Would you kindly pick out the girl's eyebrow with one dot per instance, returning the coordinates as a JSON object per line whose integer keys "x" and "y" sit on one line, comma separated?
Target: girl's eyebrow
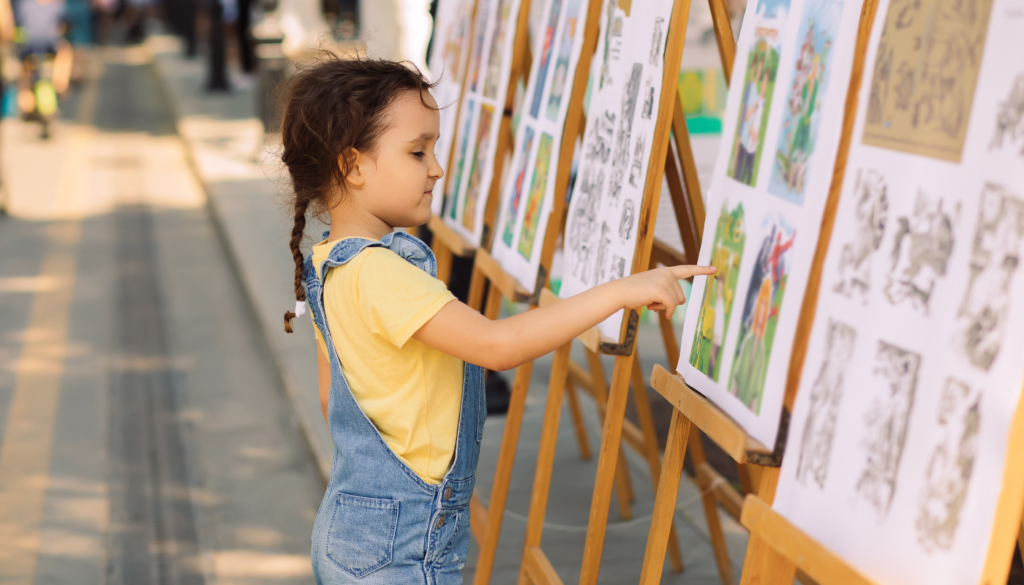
{"x": 423, "y": 137}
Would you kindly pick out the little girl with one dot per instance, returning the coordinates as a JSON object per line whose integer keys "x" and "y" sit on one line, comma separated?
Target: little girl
{"x": 401, "y": 378}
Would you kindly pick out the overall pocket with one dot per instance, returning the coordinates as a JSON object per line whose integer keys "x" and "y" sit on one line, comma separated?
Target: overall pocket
{"x": 361, "y": 536}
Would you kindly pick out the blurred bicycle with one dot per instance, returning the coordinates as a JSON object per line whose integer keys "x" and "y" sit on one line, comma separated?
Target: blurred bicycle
{"x": 46, "y": 59}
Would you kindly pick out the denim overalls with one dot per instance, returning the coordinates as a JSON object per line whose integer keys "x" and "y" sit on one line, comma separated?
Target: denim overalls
{"x": 379, "y": 522}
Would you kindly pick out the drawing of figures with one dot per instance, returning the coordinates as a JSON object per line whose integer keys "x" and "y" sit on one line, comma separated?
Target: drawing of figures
{"x": 627, "y": 221}
{"x": 480, "y": 156}
{"x": 538, "y": 186}
{"x": 561, "y": 73}
{"x": 620, "y": 156}
{"x": 545, "y": 57}
{"x": 602, "y": 134}
{"x": 921, "y": 249}
{"x": 925, "y": 75}
{"x": 1010, "y": 118}
{"x": 517, "y": 189}
{"x": 950, "y": 467}
{"x": 618, "y": 269}
{"x": 480, "y": 27}
{"x": 761, "y": 314}
{"x": 995, "y": 256}
{"x": 583, "y": 226}
{"x": 826, "y": 394}
{"x": 802, "y": 115}
{"x": 871, "y": 215}
{"x": 758, "y": 88}
{"x": 498, "y": 36}
{"x": 610, "y": 45}
{"x": 648, "y": 107}
{"x": 636, "y": 168}
{"x": 453, "y": 187}
{"x": 656, "y": 42}
{"x": 603, "y": 254}
{"x": 719, "y": 292}
{"x": 886, "y": 421}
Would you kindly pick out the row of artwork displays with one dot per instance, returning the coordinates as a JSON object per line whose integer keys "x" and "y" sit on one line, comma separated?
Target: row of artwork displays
{"x": 626, "y": 77}
{"x": 775, "y": 164}
{"x": 913, "y": 373}
{"x": 471, "y": 171}
{"x": 529, "y": 190}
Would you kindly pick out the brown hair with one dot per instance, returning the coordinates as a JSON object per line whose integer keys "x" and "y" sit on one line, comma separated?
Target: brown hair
{"x": 332, "y": 106}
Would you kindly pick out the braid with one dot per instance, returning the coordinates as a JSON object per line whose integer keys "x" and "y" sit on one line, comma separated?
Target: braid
{"x": 301, "y": 204}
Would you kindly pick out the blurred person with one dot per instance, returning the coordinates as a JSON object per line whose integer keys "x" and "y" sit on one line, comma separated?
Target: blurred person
{"x": 46, "y": 59}
{"x": 400, "y": 359}
{"x": 103, "y": 12}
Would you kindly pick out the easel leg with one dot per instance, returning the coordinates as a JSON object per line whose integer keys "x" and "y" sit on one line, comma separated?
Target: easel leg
{"x": 611, "y": 443}
{"x": 623, "y": 485}
{"x": 643, "y": 412}
{"x": 503, "y": 474}
{"x": 765, "y": 480}
{"x": 764, "y": 566}
{"x": 745, "y": 481}
{"x": 582, "y": 439}
{"x": 545, "y": 456}
{"x": 663, "y": 519}
{"x": 710, "y": 503}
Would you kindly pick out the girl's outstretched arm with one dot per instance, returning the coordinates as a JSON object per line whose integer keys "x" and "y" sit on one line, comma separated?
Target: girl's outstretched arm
{"x": 504, "y": 344}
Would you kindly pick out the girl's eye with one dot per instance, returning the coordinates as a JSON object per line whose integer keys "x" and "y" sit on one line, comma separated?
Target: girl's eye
{"x": 418, "y": 154}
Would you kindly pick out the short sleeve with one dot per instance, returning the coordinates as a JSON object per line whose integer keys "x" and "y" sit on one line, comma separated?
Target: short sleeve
{"x": 396, "y": 297}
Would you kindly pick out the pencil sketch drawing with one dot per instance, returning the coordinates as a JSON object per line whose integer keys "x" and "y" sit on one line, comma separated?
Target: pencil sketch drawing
{"x": 611, "y": 46}
{"x": 925, "y": 74}
{"x": 1010, "y": 118}
{"x": 600, "y": 144}
{"x": 949, "y": 469}
{"x": 921, "y": 250}
{"x": 870, "y": 216}
{"x": 995, "y": 255}
{"x": 826, "y": 394}
{"x": 618, "y": 267}
{"x": 620, "y": 156}
{"x": 584, "y": 222}
{"x": 627, "y": 221}
{"x": 603, "y": 258}
{"x": 886, "y": 420}
{"x": 636, "y": 177}
{"x": 659, "y": 32}
{"x": 648, "y": 107}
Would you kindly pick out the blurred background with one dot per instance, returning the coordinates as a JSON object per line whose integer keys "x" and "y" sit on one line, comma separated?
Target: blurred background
{"x": 156, "y": 424}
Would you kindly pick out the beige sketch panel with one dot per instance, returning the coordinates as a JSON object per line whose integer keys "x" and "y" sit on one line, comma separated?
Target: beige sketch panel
{"x": 925, "y": 76}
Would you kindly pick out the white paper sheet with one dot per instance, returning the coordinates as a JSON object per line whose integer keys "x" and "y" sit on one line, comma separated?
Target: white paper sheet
{"x": 782, "y": 125}
{"x": 448, "y": 60}
{"x": 529, "y": 189}
{"x": 483, "y": 105}
{"x": 600, "y": 232}
{"x": 897, "y": 446}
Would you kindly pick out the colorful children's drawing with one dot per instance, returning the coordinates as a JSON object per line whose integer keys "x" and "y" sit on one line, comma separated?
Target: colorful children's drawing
{"x": 517, "y": 190}
{"x": 498, "y": 39}
{"x": 483, "y": 141}
{"x": 537, "y": 188}
{"x": 758, "y": 88}
{"x": 452, "y": 191}
{"x": 761, "y": 314}
{"x": 801, "y": 118}
{"x": 572, "y": 14}
{"x": 478, "y": 44}
{"x": 719, "y": 292}
{"x": 545, "y": 57}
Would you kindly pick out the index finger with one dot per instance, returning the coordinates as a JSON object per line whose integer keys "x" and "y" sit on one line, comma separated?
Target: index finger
{"x": 686, "y": 271}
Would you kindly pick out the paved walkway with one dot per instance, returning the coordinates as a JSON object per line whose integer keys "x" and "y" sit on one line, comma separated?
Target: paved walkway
{"x": 243, "y": 184}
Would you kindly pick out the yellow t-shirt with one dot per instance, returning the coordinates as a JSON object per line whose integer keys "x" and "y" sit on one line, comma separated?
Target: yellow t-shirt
{"x": 410, "y": 391}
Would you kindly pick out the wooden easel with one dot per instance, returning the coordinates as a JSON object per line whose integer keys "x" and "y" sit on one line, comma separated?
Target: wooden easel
{"x": 536, "y": 567}
{"x": 691, "y": 410}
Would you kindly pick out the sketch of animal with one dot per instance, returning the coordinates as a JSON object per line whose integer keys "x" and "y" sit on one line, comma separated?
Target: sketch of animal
{"x": 1010, "y": 118}
{"x": 627, "y": 221}
{"x": 921, "y": 250}
{"x": 583, "y": 222}
{"x": 949, "y": 471}
{"x": 648, "y": 107}
{"x": 603, "y": 255}
{"x": 636, "y": 167}
{"x": 659, "y": 33}
{"x": 870, "y": 217}
{"x": 995, "y": 255}
{"x": 886, "y": 421}
{"x": 826, "y": 394}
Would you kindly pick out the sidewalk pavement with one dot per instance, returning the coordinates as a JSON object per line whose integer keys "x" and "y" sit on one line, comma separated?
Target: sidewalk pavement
{"x": 243, "y": 183}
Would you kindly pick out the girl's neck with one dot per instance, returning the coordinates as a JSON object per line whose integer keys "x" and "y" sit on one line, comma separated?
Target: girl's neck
{"x": 348, "y": 221}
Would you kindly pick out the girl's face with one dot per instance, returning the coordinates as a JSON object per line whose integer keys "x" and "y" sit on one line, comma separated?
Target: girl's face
{"x": 395, "y": 183}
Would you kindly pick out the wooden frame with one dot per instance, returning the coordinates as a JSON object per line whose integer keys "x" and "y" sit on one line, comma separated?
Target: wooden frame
{"x": 759, "y": 464}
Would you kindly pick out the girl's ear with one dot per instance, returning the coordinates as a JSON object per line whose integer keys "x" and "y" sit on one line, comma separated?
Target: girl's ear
{"x": 352, "y": 165}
